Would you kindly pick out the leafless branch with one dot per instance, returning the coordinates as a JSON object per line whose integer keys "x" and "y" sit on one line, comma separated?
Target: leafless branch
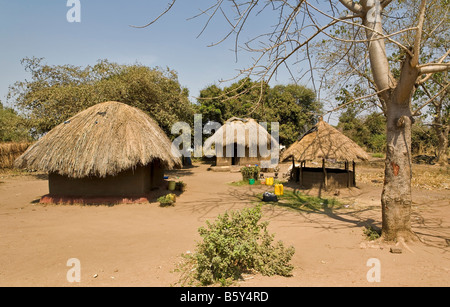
{"x": 357, "y": 99}
{"x": 154, "y": 20}
{"x": 416, "y": 112}
{"x": 433, "y": 68}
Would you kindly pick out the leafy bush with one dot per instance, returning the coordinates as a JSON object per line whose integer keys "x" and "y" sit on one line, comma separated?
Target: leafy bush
{"x": 168, "y": 199}
{"x": 236, "y": 243}
{"x": 249, "y": 172}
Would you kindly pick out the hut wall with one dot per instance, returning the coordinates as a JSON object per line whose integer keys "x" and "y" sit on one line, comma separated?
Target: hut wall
{"x": 223, "y": 161}
{"x": 131, "y": 182}
{"x": 156, "y": 174}
{"x": 314, "y": 177}
{"x": 242, "y": 161}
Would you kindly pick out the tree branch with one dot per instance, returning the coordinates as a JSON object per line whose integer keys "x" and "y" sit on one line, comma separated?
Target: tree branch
{"x": 360, "y": 98}
{"x": 428, "y": 76}
{"x": 415, "y": 113}
{"x": 376, "y": 34}
{"x": 385, "y": 3}
{"x": 154, "y": 20}
{"x": 416, "y": 48}
{"x": 433, "y": 68}
{"x": 352, "y": 6}
{"x": 377, "y": 50}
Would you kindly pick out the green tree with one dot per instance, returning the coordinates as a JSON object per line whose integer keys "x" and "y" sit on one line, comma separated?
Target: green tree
{"x": 243, "y": 98}
{"x": 12, "y": 126}
{"x": 367, "y": 131}
{"x": 211, "y": 107}
{"x": 55, "y": 93}
{"x": 293, "y": 106}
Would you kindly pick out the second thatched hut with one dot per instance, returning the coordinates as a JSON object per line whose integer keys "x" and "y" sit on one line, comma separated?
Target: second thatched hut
{"x": 243, "y": 141}
{"x": 108, "y": 150}
{"x": 323, "y": 143}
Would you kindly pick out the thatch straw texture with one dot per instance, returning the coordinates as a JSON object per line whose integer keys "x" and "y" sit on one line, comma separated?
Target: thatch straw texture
{"x": 102, "y": 140}
{"x": 325, "y": 142}
{"x": 241, "y": 131}
{"x": 9, "y": 152}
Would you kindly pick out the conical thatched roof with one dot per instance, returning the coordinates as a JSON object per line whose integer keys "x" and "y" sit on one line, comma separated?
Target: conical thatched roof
{"x": 325, "y": 142}
{"x": 102, "y": 140}
{"x": 245, "y": 131}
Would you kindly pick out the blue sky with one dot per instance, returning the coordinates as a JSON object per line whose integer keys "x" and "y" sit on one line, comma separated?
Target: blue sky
{"x": 40, "y": 28}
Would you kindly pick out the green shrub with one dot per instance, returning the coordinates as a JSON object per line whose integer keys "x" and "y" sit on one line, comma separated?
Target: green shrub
{"x": 237, "y": 242}
{"x": 371, "y": 233}
{"x": 168, "y": 199}
{"x": 249, "y": 172}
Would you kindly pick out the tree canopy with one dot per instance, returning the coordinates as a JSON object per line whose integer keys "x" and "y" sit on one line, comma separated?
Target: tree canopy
{"x": 55, "y": 93}
{"x": 293, "y": 106}
{"x": 12, "y": 126}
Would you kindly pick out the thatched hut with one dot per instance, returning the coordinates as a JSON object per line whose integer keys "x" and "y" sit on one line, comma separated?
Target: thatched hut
{"x": 242, "y": 141}
{"x": 322, "y": 143}
{"x": 108, "y": 150}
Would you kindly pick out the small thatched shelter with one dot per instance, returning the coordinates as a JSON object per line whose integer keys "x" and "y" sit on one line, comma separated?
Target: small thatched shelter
{"x": 110, "y": 149}
{"x": 242, "y": 141}
{"x": 322, "y": 143}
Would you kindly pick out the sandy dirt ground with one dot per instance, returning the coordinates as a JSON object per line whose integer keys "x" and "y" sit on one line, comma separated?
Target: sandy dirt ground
{"x": 141, "y": 244}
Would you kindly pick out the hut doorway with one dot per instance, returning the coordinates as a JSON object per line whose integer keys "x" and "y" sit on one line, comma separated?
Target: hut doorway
{"x": 235, "y": 158}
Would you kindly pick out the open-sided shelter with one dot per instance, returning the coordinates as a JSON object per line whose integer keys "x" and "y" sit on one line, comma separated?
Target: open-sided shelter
{"x": 110, "y": 149}
{"x": 321, "y": 143}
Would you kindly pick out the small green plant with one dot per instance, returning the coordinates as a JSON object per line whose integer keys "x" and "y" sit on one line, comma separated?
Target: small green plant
{"x": 236, "y": 243}
{"x": 249, "y": 172}
{"x": 371, "y": 233}
{"x": 167, "y": 200}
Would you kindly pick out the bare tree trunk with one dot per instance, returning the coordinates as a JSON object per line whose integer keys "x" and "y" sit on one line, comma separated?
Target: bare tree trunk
{"x": 396, "y": 195}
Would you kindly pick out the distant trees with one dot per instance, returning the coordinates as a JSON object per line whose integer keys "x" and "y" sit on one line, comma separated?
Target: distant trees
{"x": 294, "y": 107}
{"x": 367, "y": 131}
{"x": 12, "y": 126}
{"x": 55, "y": 93}
{"x": 438, "y": 113}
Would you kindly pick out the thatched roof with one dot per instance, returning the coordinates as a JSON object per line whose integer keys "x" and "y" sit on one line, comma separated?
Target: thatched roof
{"x": 324, "y": 142}
{"x": 102, "y": 140}
{"x": 244, "y": 131}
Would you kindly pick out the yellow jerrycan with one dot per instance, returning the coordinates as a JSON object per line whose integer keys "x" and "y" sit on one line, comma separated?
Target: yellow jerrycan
{"x": 279, "y": 189}
{"x": 269, "y": 181}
